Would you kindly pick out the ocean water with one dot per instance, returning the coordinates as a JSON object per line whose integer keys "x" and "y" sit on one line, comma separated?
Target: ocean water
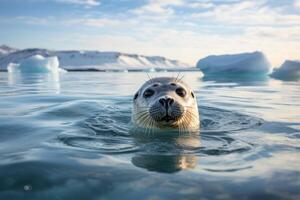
{"x": 68, "y": 137}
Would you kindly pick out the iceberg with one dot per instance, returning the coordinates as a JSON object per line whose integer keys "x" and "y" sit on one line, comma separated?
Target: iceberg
{"x": 35, "y": 64}
{"x": 289, "y": 71}
{"x": 254, "y": 63}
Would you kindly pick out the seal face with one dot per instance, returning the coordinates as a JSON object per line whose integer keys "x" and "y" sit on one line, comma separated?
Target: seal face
{"x": 165, "y": 103}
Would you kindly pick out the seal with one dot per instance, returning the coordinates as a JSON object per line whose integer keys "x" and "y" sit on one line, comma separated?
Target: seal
{"x": 165, "y": 103}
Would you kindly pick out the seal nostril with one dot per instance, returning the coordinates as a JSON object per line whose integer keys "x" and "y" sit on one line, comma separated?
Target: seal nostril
{"x": 162, "y": 102}
{"x": 166, "y": 102}
{"x": 170, "y": 101}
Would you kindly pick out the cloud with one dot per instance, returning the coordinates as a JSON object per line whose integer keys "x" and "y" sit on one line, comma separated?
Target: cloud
{"x": 249, "y": 13}
{"x": 185, "y": 30}
{"x": 297, "y": 3}
{"x": 279, "y": 43}
{"x": 291, "y": 34}
{"x": 93, "y": 22}
{"x": 81, "y": 2}
{"x": 27, "y": 20}
{"x": 200, "y": 5}
{"x": 152, "y": 8}
{"x": 156, "y": 29}
{"x": 168, "y": 2}
{"x": 158, "y": 7}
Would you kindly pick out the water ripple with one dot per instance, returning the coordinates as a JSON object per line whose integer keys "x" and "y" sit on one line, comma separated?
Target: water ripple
{"x": 219, "y": 120}
{"x": 109, "y": 132}
{"x": 103, "y": 145}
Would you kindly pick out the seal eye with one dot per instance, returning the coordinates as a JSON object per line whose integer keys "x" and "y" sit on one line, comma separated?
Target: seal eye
{"x": 136, "y": 96}
{"x": 155, "y": 85}
{"x": 173, "y": 84}
{"x": 181, "y": 92}
{"x": 148, "y": 93}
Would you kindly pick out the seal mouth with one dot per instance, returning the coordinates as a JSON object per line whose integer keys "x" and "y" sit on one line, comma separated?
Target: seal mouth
{"x": 167, "y": 118}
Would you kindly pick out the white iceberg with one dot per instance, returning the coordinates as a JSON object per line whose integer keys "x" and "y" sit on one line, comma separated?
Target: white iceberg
{"x": 289, "y": 70}
{"x": 235, "y": 64}
{"x": 35, "y": 64}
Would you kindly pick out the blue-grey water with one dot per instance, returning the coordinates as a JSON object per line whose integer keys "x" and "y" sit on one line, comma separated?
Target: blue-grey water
{"x": 68, "y": 137}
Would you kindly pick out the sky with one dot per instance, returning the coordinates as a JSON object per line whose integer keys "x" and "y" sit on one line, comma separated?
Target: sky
{"x": 186, "y": 30}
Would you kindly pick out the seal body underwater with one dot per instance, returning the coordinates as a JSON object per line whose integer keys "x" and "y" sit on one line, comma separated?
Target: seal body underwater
{"x": 165, "y": 103}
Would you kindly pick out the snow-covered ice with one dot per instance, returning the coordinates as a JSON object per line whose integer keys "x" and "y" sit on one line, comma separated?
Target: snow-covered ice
{"x": 96, "y": 60}
{"x": 245, "y": 63}
{"x": 289, "y": 70}
{"x": 36, "y": 64}
{"x": 4, "y": 50}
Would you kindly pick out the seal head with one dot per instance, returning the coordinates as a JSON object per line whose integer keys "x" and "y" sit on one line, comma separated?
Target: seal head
{"x": 165, "y": 103}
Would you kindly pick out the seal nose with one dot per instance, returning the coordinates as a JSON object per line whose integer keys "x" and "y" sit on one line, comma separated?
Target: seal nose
{"x": 166, "y": 101}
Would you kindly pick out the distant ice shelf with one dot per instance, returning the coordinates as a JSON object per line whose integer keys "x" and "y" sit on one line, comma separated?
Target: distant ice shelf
{"x": 97, "y": 61}
{"x": 5, "y": 50}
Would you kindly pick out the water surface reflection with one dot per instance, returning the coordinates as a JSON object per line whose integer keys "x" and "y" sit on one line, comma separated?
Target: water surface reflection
{"x": 167, "y": 154}
{"x": 69, "y": 138}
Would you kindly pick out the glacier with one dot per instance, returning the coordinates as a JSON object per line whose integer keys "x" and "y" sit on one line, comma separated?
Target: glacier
{"x": 253, "y": 63}
{"x": 35, "y": 64}
{"x": 289, "y": 71}
{"x": 97, "y": 61}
